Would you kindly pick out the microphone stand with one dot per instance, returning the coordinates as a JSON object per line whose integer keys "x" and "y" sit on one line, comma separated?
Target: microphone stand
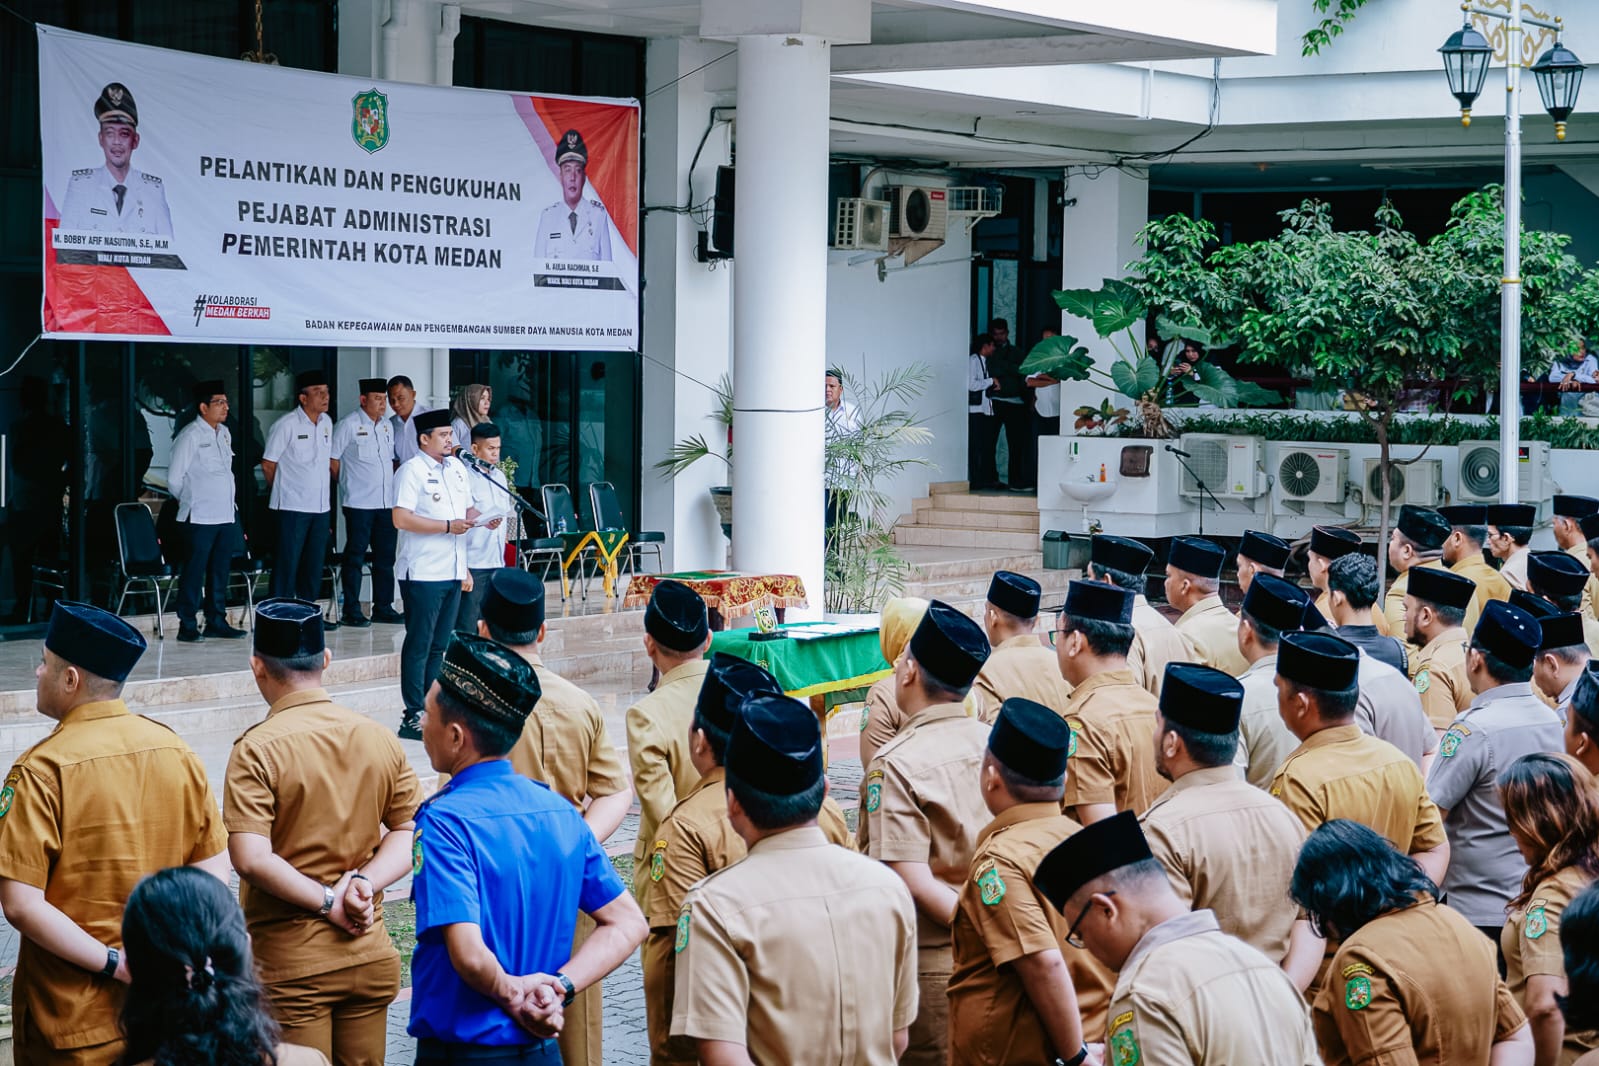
{"x": 1200, "y": 483}
{"x": 515, "y": 497}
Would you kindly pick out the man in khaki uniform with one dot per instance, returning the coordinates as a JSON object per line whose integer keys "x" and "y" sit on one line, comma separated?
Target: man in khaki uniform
{"x": 1417, "y": 542}
{"x": 1193, "y": 579}
{"x": 1510, "y": 528}
{"x": 1569, "y": 512}
{"x": 1111, "y": 715}
{"x": 1186, "y": 992}
{"x": 1260, "y": 553}
{"x": 697, "y": 839}
{"x": 1561, "y": 579}
{"x": 1018, "y": 994}
{"x": 309, "y": 794}
{"x": 676, "y": 634}
{"x": 1121, "y": 561}
{"x": 1227, "y": 846}
{"x": 1434, "y": 610}
{"x": 105, "y": 799}
{"x": 925, "y": 804}
{"x": 564, "y": 744}
{"x": 1020, "y": 664}
{"x": 1463, "y": 551}
{"x": 1562, "y": 654}
{"x": 1328, "y": 544}
{"x": 801, "y": 952}
{"x": 1339, "y": 772}
{"x": 1271, "y": 607}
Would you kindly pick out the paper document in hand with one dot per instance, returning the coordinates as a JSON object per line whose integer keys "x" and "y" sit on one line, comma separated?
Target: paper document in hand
{"x": 487, "y": 517}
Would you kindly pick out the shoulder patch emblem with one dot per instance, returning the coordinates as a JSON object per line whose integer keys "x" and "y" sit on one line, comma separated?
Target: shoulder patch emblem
{"x": 1451, "y": 740}
{"x": 991, "y": 886}
{"x": 1357, "y": 992}
{"x": 416, "y": 853}
{"x": 682, "y": 933}
{"x": 874, "y": 796}
{"x": 866, "y": 713}
{"x": 1536, "y": 925}
{"x": 1123, "y": 1044}
{"x": 658, "y": 861}
{"x": 1076, "y": 725}
{"x": 1423, "y": 680}
{"x": 7, "y": 794}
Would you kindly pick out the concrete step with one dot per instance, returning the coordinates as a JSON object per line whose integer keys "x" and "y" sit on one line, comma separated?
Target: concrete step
{"x": 952, "y": 487}
{"x": 951, "y": 537}
{"x": 956, "y": 590}
{"x": 1000, "y": 502}
{"x": 932, "y": 565}
{"x": 1000, "y": 520}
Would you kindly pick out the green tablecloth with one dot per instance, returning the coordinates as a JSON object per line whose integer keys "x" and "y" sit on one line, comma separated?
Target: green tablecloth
{"x": 811, "y": 666}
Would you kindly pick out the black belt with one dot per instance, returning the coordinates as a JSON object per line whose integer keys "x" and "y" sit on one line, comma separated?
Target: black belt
{"x": 484, "y": 1052}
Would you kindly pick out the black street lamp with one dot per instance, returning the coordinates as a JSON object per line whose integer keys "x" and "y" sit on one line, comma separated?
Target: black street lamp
{"x": 1559, "y": 76}
{"x": 1466, "y": 55}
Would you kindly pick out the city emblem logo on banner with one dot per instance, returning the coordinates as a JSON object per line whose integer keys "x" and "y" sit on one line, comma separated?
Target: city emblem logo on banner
{"x": 370, "y": 125}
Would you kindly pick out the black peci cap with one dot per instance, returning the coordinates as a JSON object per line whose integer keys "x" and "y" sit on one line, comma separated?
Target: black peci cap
{"x": 1560, "y": 573}
{"x": 1091, "y": 853}
{"x": 1465, "y": 514}
{"x": 1119, "y": 553}
{"x": 728, "y": 683}
{"x": 676, "y": 616}
{"x": 1433, "y": 584}
{"x": 1030, "y": 739}
{"x": 1536, "y": 606}
{"x": 1561, "y": 631}
{"x": 775, "y": 745}
{"x": 1501, "y": 515}
{"x": 1201, "y": 698}
{"x": 1275, "y": 602}
{"x": 514, "y": 600}
{"x": 1510, "y": 633}
{"x": 1319, "y": 661}
{"x": 1333, "y": 542}
{"x": 94, "y": 640}
{"x": 1197, "y": 556}
{"x": 374, "y": 385}
{"x": 288, "y": 628}
{"x": 1264, "y": 549}
{"x": 494, "y": 682}
{"x": 309, "y": 379}
{"x": 949, "y": 646}
{"x": 1098, "y": 601}
{"x": 204, "y": 390}
{"x": 1568, "y": 506}
{"x": 428, "y": 421}
{"x": 1425, "y": 526}
{"x": 1590, "y": 526}
{"x": 1014, "y": 593}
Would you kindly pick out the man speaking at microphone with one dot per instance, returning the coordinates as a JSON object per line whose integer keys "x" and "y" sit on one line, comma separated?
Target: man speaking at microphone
{"x": 432, "y": 512}
{"x": 485, "y": 543}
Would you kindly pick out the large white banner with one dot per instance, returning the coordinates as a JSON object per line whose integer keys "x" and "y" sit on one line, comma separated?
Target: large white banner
{"x": 201, "y": 199}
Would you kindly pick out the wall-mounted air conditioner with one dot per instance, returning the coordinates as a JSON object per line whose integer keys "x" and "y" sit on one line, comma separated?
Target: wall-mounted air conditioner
{"x": 1230, "y": 465}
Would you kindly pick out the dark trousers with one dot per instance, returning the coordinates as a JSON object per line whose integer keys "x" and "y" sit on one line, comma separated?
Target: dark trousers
{"x": 210, "y": 553}
{"x": 438, "y": 1053}
{"x": 361, "y": 529}
{"x": 982, "y": 431}
{"x": 1017, "y": 419}
{"x": 471, "y": 608}
{"x": 1046, "y": 426}
{"x": 430, "y": 610}
{"x": 302, "y": 553}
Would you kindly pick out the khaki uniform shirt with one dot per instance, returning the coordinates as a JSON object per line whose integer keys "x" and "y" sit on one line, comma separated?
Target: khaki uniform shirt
{"x": 1515, "y": 569}
{"x": 1264, "y": 742}
{"x": 1212, "y": 630}
{"x": 1390, "y": 709}
{"x": 881, "y": 719}
{"x": 1229, "y": 848}
{"x": 1378, "y": 618}
{"x": 803, "y": 952}
{"x": 1001, "y": 918}
{"x": 1530, "y": 942}
{"x": 925, "y": 802}
{"x": 1024, "y": 667}
{"x": 105, "y": 799}
{"x": 657, "y": 751}
{"x": 1500, "y": 726}
{"x": 1414, "y": 985}
{"x": 322, "y": 783}
{"x": 1156, "y": 642}
{"x": 1189, "y": 993}
{"x": 1343, "y": 773}
{"x": 1590, "y": 634}
{"x": 1579, "y": 552}
{"x": 1394, "y": 609}
{"x": 1491, "y": 584}
{"x": 1439, "y": 670}
{"x": 564, "y": 742}
{"x": 694, "y": 841}
{"x": 1112, "y": 753}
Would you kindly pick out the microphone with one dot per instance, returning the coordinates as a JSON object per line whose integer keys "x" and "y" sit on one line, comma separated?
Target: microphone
{"x": 466, "y": 456}
{"x": 1178, "y": 451}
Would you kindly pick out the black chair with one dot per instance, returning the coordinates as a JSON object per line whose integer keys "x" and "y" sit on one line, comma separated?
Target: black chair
{"x": 561, "y": 515}
{"x": 608, "y": 515}
{"x": 244, "y": 568}
{"x": 139, "y": 558}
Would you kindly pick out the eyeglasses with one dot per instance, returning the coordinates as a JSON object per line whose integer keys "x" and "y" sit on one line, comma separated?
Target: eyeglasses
{"x": 1055, "y": 634}
{"x": 1071, "y": 934}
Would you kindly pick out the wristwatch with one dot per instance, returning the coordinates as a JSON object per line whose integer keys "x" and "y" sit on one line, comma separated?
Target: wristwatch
{"x": 1075, "y": 1060}
{"x": 327, "y": 901}
{"x": 566, "y": 983}
{"x": 112, "y": 958}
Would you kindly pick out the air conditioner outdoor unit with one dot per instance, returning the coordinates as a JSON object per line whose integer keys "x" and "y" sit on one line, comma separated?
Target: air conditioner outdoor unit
{"x": 1479, "y": 472}
{"x": 1313, "y": 475}
{"x": 1420, "y": 483}
{"x": 1229, "y": 465}
{"x": 861, "y": 225}
{"x": 919, "y": 212}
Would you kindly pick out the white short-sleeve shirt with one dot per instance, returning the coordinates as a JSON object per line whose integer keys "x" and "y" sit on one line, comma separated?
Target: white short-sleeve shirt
{"x": 200, "y": 474}
{"x": 303, "y": 451}
{"x": 365, "y": 451}
{"x": 405, "y": 446}
{"x": 485, "y": 548}
{"x": 435, "y": 490}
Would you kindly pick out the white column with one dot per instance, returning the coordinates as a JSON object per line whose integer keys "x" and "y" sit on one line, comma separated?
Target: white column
{"x": 1099, "y": 232}
{"x": 780, "y": 307}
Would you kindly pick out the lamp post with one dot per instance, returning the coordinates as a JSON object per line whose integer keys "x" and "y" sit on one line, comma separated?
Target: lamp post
{"x": 1559, "y": 76}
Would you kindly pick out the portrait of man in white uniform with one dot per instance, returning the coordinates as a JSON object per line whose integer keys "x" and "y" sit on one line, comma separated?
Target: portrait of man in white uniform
{"x": 116, "y": 197}
{"x": 574, "y": 228}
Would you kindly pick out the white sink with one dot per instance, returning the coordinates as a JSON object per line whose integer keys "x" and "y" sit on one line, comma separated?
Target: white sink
{"x": 1088, "y": 491}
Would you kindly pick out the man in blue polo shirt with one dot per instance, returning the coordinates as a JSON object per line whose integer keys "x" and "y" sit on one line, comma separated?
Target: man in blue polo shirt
{"x": 500, "y": 868}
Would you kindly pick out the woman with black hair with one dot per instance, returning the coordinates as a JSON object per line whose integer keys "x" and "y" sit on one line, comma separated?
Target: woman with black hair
{"x": 193, "y": 996}
{"x": 1552, "y": 806}
{"x": 1579, "y": 940}
{"x": 1411, "y": 978}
